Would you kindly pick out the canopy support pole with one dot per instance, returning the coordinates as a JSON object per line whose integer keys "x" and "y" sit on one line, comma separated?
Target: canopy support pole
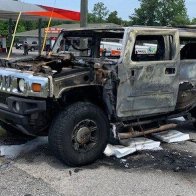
{"x": 10, "y": 23}
{"x": 83, "y": 24}
{"x": 40, "y": 35}
{"x": 13, "y": 37}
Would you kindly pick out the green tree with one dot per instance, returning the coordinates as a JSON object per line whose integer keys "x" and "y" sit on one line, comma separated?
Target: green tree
{"x": 145, "y": 15}
{"x": 3, "y": 28}
{"x": 193, "y": 22}
{"x": 30, "y": 25}
{"x": 99, "y": 13}
{"x": 160, "y": 12}
{"x": 113, "y": 18}
{"x": 91, "y": 18}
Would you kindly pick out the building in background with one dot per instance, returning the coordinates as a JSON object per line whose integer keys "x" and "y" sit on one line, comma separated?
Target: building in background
{"x": 53, "y": 32}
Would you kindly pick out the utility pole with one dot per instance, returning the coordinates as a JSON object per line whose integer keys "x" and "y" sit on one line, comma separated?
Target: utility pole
{"x": 83, "y": 24}
{"x": 83, "y": 13}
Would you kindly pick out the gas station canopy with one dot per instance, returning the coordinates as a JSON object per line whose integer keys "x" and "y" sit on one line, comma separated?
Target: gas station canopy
{"x": 10, "y": 9}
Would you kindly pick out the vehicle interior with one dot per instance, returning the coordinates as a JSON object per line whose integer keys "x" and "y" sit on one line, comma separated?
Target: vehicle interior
{"x": 188, "y": 48}
{"x": 87, "y": 43}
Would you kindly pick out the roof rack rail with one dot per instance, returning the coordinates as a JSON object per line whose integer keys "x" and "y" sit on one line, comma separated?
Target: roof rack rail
{"x": 151, "y": 26}
{"x": 187, "y": 26}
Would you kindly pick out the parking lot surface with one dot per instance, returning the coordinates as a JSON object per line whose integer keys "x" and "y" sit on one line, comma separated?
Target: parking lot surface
{"x": 171, "y": 171}
{"x": 17, "y": 53}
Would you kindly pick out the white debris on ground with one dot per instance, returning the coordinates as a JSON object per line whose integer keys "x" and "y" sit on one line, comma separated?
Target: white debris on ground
{"x": 13, "y": 151}
{"x": 179, "y": 119}
{"x": 130, "y": 146}
{"x": 171, "y": 136}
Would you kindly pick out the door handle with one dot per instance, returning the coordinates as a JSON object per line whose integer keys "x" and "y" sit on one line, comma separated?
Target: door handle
{"x": 170, "y": 71}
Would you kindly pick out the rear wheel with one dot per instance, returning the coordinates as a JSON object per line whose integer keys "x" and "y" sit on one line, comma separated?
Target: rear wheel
{"x": 79, "y": 134}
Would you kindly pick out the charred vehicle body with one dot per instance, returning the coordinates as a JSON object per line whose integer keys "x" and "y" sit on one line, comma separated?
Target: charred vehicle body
{"x": 77, "y": 94}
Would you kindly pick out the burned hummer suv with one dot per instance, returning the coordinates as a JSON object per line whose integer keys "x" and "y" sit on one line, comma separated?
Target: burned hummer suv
{"x": 81, "y": 94}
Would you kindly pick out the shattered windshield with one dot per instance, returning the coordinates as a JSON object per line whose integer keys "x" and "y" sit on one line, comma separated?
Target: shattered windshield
{"x": 90, "y": 43}
{"x": 73, "y": 45}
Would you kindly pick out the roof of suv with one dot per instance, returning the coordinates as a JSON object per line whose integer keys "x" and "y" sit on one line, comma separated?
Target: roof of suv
{"x": 185, "y": 31}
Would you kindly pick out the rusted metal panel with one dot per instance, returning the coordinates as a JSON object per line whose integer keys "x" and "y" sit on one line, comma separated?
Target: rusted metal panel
{"x": 145, "y": 87}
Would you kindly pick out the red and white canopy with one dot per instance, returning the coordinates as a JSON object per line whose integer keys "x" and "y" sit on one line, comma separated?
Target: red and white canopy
{"x": 10, "y": 9}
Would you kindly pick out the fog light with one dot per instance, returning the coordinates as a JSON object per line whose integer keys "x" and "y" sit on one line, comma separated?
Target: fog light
{"x": 16, "y": 106}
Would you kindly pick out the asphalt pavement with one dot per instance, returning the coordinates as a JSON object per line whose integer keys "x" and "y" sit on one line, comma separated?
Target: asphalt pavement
{"x": 171, "y": 171}
{"x": 17, "y": 53}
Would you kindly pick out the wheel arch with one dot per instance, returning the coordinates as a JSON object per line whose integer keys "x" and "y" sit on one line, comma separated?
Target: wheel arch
{"x": 91, "y": 93}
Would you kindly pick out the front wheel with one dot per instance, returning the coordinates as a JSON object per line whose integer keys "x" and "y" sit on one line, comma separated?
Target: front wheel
{"x": 79, "y": 134}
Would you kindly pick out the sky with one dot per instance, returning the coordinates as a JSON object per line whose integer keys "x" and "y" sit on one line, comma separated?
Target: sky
{"x": 124, "y": 7}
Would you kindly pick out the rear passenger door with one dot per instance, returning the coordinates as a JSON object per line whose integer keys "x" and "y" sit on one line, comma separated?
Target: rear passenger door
{"x": 149, "y": 73}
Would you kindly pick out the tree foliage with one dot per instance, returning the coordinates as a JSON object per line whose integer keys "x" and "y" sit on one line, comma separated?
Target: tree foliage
{"x": 26, "y": 26}
{"x": 150, "y": 12}
{"x": 3, "y": 28}
{"x": 113, "y": 18}
{"x": 160, "y": 13}
{"x": 193, "y": 22}
{"x": 99, "y": 13}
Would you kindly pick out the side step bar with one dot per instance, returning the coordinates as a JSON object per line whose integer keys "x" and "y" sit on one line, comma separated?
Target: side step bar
{"x": 132, "y": 133}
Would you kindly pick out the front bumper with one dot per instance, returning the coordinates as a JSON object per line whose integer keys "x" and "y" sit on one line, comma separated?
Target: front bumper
{"x": 18, "y": 113}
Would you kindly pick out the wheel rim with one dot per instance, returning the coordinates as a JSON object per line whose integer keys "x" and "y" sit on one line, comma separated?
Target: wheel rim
{"x": 84, "y": 136}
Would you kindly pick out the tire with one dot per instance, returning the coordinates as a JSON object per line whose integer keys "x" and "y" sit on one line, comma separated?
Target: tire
{"x": 78, "y": 136}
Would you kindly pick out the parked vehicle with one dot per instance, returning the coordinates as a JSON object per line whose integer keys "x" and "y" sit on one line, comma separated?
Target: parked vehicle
{"x": 19, "y": 45}
{"x": 33, "y": 46}
{"x": 77, "y": 96}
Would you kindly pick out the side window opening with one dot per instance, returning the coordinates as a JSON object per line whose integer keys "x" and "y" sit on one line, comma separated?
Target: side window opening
{"x": 110, "y": 47}
{"x": 153, "y": 48}
{"x": 188, "y": 48}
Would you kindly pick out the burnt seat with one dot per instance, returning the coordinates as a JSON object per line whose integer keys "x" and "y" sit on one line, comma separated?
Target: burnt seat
{"x": 188, "y": 51}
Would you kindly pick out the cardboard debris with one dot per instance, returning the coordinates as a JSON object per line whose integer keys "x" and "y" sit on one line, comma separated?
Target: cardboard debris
{"x": 171, "y": 136}
{"x": 180, "y": 119}
{"x": 13, "y": 151}
{"x": 118, "y": 151}
{"x": 130, "y": 146}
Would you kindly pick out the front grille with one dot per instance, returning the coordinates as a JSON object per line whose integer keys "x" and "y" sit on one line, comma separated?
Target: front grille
{"x": 3, "y": 98}
{"x": 6, "y": 81}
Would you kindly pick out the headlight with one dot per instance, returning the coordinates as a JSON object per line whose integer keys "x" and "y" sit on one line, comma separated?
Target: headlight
{"x": 21, "y": 85}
